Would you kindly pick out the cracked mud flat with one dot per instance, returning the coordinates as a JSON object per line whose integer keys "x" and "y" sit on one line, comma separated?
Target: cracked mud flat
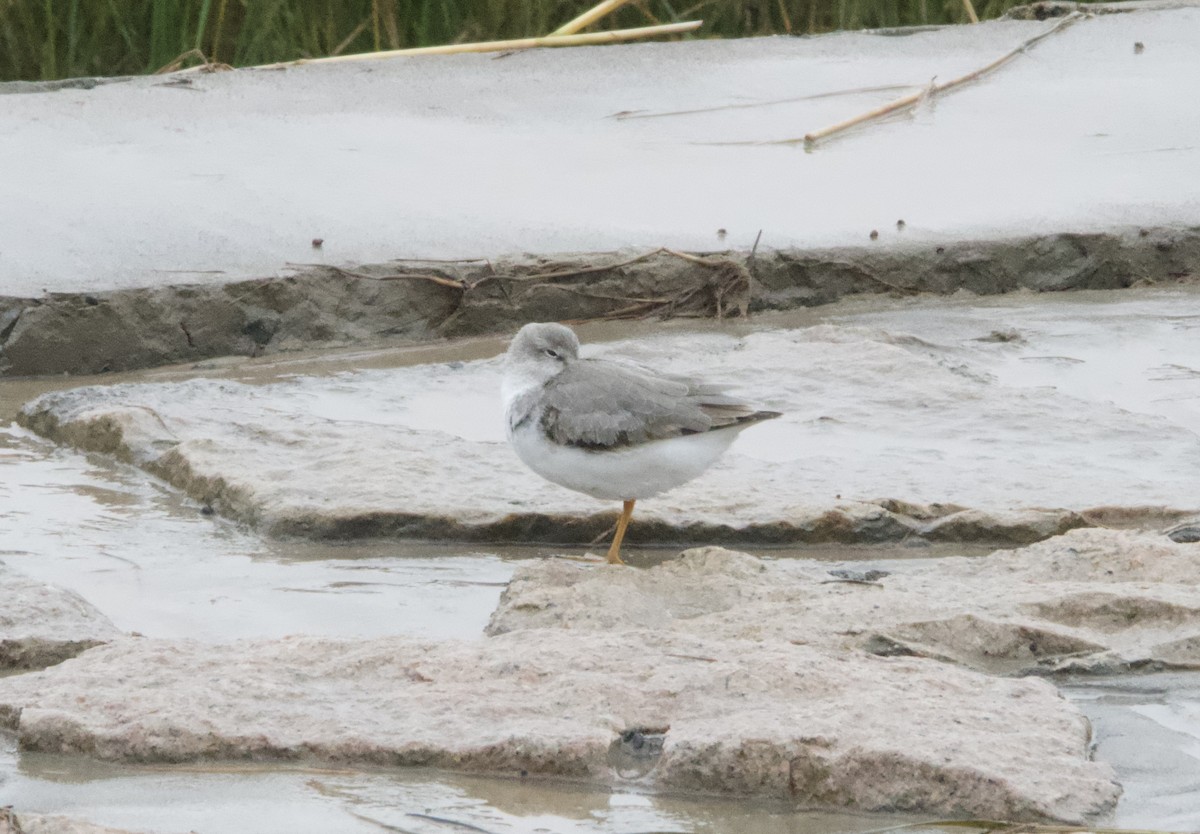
{"x": 1001, "y": 422}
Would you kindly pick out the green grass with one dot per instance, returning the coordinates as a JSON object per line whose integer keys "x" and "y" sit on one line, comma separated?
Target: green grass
{"x": 50, "y": 39}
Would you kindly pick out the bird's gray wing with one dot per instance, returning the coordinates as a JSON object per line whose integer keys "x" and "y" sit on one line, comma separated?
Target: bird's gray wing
{"x": 594, "y": 403}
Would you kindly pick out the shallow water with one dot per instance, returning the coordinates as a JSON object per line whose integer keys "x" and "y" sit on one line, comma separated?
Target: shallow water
{"x": 155, "y": 563}
{"x": 281, "y": 800}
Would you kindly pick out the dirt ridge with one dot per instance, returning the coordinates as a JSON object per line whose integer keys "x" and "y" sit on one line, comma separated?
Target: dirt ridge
{"x": 334, "y": 306}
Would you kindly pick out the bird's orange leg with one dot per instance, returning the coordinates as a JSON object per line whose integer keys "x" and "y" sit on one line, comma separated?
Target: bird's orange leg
{"x": 614, "y": 551}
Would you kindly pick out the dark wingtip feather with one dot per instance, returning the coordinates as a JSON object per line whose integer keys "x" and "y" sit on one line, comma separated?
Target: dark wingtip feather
{"x": 746, "y": 418}
{"x": 759, "y": 416}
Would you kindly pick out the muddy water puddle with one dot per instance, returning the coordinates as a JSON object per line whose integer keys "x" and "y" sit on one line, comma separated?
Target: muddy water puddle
{"x": 283, "y": 800}
{"x": 155, "y": 563}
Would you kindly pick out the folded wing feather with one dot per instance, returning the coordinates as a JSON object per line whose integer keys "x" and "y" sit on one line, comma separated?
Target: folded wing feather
{"x": 598, "y": 404}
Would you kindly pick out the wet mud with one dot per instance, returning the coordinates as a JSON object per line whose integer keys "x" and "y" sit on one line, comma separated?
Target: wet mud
{"x": 211, "y": 596}
{"x": 904, "y": 421}
{"x": 325, "y": 306}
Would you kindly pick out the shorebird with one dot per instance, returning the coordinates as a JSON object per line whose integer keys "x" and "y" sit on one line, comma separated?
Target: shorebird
{"x": 612, "y": 430}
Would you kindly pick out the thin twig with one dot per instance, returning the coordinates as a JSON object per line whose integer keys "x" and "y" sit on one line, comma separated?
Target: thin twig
{"x": 632, "y": 311}
{"x": 890, "y": 285}
{"x": 205, "y": 65}
{"x": 584, "y": 270}
{"x": 810, "y": 139}
{"x": 641, "y": 114}
{"x": 354, "y": 33}
{"x": 753, "y": 253}
{"x": 436, "y": 279}
{"x": 603, "y": 536}
{"x": 437, "y": 260}
{"x": 696, "y": 259}
{"x": 603, "y": 296}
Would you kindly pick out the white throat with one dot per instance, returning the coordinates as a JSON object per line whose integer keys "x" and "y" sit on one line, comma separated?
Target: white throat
{"x": 521, "y": 378}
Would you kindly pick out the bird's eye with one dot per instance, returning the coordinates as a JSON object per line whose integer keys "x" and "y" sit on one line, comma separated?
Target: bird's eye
{"x": 551, "y": 352}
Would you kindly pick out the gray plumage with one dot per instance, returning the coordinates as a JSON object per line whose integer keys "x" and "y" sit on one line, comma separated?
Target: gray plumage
{"x": 599, "y": 404}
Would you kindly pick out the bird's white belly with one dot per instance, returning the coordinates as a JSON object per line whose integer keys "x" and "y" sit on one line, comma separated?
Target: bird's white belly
{"x": 624, "y": 473}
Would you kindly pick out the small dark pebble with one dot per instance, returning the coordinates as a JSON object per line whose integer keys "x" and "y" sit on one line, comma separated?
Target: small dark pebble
{"x": 1138, "y": 48}
{"x": 1143, "y": 232}
{"x": 524, "y": 773}
{"x": 318, "y": 242}
{"x": 207, "y": 510}
{"x": 874, "y": 234}
{"x": 941, "y": 250}
{"x": 721, "y": 233}
{"x": 91, "y": 300}
{"x": 900, "y": 224}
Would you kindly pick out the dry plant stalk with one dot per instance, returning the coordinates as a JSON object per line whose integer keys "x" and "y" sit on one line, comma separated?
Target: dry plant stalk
{"x": 589, "y": 17}
{"x": 590, "y": 38}
{"x": 810, "y": 139}
{"x": 970, "y": 7}
{"x": 725, "y": 291}
{"x": 205, "y": 66}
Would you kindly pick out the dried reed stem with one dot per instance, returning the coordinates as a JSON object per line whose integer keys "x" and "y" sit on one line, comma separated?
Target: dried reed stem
{"x": 589, "y": 17}
{"x": 615, "y": 36}
{"x": 810, "y": 139}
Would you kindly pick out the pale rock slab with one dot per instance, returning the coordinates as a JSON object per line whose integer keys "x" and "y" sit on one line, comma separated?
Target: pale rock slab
{"x": 41, "y": 624}
{"x": 663, "y": 711}
{"x": 1089, "y": 601}
{"x": 56, "y": 824}
{"x": 885, "y": 437}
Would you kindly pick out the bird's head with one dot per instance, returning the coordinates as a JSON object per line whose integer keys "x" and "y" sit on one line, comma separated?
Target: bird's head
{"x": 537, "y": 354}
{"x": 546, "y": 345}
